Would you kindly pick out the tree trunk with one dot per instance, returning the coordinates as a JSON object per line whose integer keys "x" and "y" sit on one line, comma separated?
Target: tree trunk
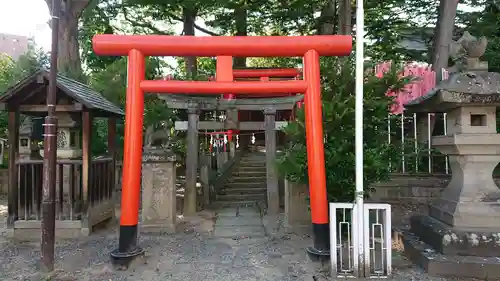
{"x": 443, "y": 36}
{"x": 68, "y": 61}
{"x": 189, "y": 18}
{"x": 440, "y": 55}
{"x": 241, "y": 26}
{"x": 345, "y": 17}
{"x": 327, "y": 19}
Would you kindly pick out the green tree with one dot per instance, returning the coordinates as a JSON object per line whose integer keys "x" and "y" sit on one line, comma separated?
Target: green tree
{"x": 13, "y": 71}
{"x": 338, "y": 125}
{"x": 111, "y": 83}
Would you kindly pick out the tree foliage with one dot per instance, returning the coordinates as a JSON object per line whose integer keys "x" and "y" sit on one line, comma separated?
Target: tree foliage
{"x": 111, "y": 83}
{"x": 339, "y": 130}
{"x": 13, "y": 71}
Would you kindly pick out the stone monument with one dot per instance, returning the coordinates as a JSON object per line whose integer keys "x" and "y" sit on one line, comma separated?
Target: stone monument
{"x": 461, "y": 234}
{"x": 159, "y": 209}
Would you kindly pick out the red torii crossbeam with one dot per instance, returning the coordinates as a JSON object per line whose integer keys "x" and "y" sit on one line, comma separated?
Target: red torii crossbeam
{"x": 271, "y": 73}
{"x": 136, "y": 47}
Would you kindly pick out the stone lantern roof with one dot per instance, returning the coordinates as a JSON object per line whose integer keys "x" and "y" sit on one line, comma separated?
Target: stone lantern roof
{"x": 471, "y": 88}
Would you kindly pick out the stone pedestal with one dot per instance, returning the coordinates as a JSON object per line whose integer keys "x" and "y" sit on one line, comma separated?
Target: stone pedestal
{"x": 205, "y": 167}
{"x": 297, "y": 214}
{"x": 158, "y": 192}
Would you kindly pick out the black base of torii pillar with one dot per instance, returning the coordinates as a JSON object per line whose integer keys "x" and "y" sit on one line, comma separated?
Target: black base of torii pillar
{"x": 128, "y": 252}
{"x": 321, "y": 242}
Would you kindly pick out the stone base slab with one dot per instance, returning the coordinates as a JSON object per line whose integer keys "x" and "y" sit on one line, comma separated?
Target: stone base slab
{"x": 436, "y": 264}
{"x": 159, "y": 227}
{"x": 456, "y": 241}
{"x": 65, "y": 229}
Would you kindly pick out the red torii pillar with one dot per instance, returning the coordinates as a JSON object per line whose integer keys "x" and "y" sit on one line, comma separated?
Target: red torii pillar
{"x": 136, "y": 47}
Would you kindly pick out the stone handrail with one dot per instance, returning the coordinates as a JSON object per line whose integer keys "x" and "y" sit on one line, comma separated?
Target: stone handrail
{"x": 211, "y": 178}
{"x": 221, "y": 176}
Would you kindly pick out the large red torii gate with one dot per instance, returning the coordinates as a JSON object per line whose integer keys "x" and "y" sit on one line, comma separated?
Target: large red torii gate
{"x": 136, "y": 47}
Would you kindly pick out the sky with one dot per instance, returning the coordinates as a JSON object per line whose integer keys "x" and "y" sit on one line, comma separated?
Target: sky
{"x": 27, "y": 18}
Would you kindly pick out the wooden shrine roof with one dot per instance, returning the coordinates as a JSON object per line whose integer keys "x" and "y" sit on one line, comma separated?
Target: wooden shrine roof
{"x": 34, "y": 87}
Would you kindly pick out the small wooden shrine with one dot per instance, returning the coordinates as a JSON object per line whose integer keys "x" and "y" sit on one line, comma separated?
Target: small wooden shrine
{"x": 85, "y": 182}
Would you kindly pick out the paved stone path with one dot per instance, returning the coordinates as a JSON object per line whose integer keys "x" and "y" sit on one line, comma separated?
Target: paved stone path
{"x": 239, "y": 223}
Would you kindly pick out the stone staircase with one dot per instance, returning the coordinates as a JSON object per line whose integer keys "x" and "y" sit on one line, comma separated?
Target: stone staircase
{"x": 247, "y": 183}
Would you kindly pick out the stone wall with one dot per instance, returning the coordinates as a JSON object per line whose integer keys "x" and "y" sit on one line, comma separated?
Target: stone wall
{"x": 404, "y": 188}
{"x": 407, "y": 189}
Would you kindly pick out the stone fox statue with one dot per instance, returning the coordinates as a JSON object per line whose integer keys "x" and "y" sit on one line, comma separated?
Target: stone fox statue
{"x": 466, "y": 52}
{"x": 157, "y": 136}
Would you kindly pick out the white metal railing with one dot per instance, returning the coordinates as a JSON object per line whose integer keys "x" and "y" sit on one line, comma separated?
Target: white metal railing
{"x": 346, "y": 238}
{"x": 417, "y": 155}
{"x": 377, "y": 240}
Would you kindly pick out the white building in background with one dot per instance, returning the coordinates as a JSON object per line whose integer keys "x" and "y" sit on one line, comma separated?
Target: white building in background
{"x": 13, "y": 45}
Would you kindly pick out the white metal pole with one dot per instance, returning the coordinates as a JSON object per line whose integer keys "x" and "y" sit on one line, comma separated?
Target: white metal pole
{"x": 359, "y": 134}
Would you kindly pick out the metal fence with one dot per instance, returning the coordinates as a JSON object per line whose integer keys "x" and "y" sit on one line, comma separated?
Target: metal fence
{"x": 414, "y": 132}
{"x": 414, "y": 135}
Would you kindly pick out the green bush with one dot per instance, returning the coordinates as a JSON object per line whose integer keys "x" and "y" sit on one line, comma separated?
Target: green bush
{"x": 338, "y": 95}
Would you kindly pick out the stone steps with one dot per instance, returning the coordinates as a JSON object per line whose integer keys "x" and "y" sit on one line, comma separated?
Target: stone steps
{"x": 253, "y": 161}
{"x": 247, "y": 173}
{"x": 244, "y": 178}
{"x": 240, "y": 183}
{"x": 253, "y": 168}
{"x": 241, "y": 197}
{"x": 247, "y": 184}
{"x": 251, "y": 172}
{"x": 248, "y": 190}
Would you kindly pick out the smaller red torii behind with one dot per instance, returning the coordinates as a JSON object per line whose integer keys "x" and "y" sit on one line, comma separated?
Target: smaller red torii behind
{"x": 225, "y": 72}
{"x": 136, "y": 47}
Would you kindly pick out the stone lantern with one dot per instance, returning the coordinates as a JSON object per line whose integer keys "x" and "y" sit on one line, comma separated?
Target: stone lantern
{"x": 68, "y": 137}
{"x": 462, "y": 225}
{"x": 470, "y": 99}
{"x": 28, "y": 139}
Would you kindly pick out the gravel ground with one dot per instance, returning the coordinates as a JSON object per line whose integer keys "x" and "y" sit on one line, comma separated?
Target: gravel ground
{"x": 181, "y": 257}
{"x": 191, "y": 255}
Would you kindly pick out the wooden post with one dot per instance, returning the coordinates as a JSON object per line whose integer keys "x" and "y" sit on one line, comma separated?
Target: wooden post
{"x": 13, "y": 175}
{"x": 86, "y": 169}
{"x": 112, "y": 153}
